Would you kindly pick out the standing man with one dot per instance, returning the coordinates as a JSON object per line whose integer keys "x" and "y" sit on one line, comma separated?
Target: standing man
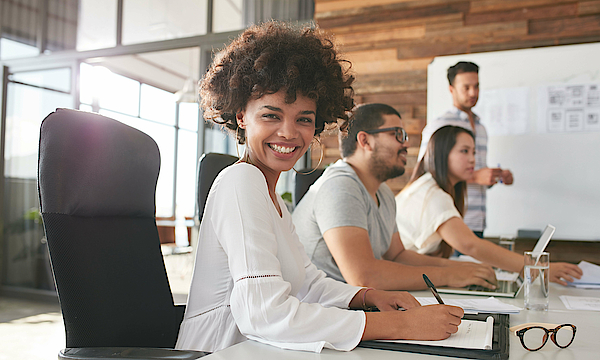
{"x": 347, "y": 219}
{"x": 464, "y": 87}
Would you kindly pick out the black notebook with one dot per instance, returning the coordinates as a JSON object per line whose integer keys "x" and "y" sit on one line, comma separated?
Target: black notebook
{"x": 499, "y": 350}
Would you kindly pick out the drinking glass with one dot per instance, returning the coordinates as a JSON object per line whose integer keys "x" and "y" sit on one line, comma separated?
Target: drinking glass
{"x": 537, "y": 282}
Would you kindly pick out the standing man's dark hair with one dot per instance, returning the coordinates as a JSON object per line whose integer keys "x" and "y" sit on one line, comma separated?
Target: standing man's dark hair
{"x": 364, "y": 117}
{"x": 461, "y": 67}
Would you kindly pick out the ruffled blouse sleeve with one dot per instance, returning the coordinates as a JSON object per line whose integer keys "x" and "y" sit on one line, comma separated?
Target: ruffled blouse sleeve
{"x": 294, "y": 310}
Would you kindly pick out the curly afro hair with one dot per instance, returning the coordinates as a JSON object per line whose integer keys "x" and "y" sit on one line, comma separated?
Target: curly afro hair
{"x": 276, "y": 56}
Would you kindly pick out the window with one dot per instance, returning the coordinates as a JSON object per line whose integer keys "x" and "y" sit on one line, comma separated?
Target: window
{"x": 154, "y": 20}
{"x": 154, "y": 111}
{"x": 97, "y": 24}
{"x": 10, "y": 49}
{"x": 228, "y": 15}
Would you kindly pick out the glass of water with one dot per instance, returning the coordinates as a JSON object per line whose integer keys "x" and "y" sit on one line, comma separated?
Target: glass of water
{"x": 537, "y": 281}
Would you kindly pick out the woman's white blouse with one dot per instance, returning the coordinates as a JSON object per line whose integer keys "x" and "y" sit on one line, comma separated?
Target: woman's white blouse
{"x": 421, "y": 208}
{"x": 253, "y": 280}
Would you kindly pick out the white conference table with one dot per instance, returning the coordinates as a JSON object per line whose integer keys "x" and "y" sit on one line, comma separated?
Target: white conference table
{"x": 585, "y": 346}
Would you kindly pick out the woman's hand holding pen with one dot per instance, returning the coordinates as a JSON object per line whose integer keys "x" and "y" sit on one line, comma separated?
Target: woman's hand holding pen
{"x": 431, "y": 322}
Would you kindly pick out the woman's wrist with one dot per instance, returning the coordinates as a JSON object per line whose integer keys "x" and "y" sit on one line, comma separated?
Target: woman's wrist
{"x": 365, "y": 303}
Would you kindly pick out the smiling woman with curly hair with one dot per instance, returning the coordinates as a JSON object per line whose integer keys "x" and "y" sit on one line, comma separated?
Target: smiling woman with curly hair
{"x": 276, "y": 86}
{"x": 273, "y": 57}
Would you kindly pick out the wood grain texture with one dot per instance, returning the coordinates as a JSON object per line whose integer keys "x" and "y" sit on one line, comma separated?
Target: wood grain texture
{"x": 502, "y": 5}
{"x": 383, "y": 61}
{"x": 413, "y": 126}
{"x": 328, "y": 6}
{"x": 358, "y": 28}
{"x": 391, "y": 43}
{"x": 392, "y": 12}
{"x": 414, "y": 97}
{"x": 567, "y": 26}
{"x": 392, "y": 82}
{"x": 588, "y": 7}
{"x": 526, "y": 13}
{"x": 419, "y": 49}
{"x": 383, "y": 35}
{"x": 486, "y": 31}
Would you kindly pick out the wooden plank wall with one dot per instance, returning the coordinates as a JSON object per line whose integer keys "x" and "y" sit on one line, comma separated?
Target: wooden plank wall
{"x": 391, "y": 42}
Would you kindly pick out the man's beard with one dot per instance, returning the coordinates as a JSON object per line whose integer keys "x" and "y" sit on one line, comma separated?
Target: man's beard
{"x": 380, "y": 167}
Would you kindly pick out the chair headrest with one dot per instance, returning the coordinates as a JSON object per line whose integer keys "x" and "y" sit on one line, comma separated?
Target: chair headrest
{"x": 209, "y": 166}
{"x": 91, "y": 165}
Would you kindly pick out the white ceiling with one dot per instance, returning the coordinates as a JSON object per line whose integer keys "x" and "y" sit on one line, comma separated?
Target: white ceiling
{"x": 167, "y": 70}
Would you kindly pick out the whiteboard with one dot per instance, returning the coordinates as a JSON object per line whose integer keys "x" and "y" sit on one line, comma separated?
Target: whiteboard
{"x": 557, "y": 175}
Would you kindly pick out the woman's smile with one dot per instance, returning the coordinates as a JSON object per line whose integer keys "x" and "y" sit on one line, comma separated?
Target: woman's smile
{"x": 282, "y": 149}
{"x": 278, "y": 133}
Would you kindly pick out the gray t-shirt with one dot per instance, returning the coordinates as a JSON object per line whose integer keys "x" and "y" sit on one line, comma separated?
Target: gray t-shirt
{"x": 338, "y": 198}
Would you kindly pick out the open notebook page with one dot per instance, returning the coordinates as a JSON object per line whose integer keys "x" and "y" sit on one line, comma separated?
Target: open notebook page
{"x": 471, "y": 334}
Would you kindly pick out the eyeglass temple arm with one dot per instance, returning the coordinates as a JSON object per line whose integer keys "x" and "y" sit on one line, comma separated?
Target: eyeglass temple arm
{"x": 516, "y": 328}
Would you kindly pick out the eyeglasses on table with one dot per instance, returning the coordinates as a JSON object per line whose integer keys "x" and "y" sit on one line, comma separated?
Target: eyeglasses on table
{"x": 534, "y": 336}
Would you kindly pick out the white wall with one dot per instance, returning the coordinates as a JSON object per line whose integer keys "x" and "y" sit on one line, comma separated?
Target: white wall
{"x": 557, "y": 175}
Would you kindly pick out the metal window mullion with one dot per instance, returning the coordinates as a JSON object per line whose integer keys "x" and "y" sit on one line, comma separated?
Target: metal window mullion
{"x": 75, "y": 76}
{"x": 1, "y": 12}
{"x": 119, "y": 22}
{"x": 175, "y": 157}
{"x": 207, "y": 41}
{"x": 40, "y": 87}
{"x": 42, "y": 29}
{"x": 3, "y": 107}
{"x": 205, "y": 60}
{"x": 209, "y": 16}
{"x": 139, "y": 113}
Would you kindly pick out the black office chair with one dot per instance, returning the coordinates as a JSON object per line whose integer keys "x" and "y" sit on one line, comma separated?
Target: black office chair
{"x": 209, "y": 166}
{"x": 97, "y": 181}
{"x": 303, "y": 182}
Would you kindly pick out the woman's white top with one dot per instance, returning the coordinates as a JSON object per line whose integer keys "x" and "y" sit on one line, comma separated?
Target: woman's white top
{"x": 253, "y": 280}
{"x": 421, "y": 208}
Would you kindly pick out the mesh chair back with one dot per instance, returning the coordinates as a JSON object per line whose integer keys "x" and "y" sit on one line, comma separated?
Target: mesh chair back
{"x": 97, "y": 181}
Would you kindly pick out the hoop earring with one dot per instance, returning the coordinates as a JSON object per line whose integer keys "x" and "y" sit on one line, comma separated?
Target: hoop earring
{"x": 320, "y": 160}
{"x": 237, "y": 142}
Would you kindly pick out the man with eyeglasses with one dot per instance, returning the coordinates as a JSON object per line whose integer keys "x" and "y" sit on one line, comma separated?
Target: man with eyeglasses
{"x": 347, "y": 219}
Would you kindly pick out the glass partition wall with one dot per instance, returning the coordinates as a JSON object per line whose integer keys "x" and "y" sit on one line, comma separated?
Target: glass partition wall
{"x": 31, "y": 95}
{"x": 128, "y": 60}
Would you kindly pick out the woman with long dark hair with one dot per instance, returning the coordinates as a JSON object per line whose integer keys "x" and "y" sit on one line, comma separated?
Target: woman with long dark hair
{"x": 430, "y": 208}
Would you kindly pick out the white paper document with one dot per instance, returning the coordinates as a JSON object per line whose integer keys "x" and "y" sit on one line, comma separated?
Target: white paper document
{"x": 580, "y": 302}
{"x": 471, "y": 334}
{"x": 504, "y": 111}
{"x": 590, "y": 278}
{"x": 568, "y": 108}
{"x": 476, "y": 305}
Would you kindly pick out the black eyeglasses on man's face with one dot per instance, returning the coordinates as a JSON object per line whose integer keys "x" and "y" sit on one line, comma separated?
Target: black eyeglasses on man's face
{"x": 401, "y": 134}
